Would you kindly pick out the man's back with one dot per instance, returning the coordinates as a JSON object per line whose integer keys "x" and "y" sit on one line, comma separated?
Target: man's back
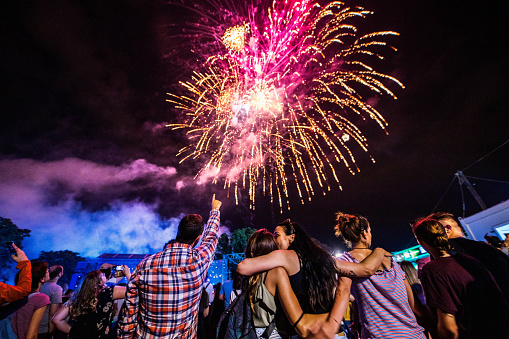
{"x": 54, "y": 292}
{"x": 164, "y": 291}
{"x": 460, "y": 285}
{"x": 493, "y": 259}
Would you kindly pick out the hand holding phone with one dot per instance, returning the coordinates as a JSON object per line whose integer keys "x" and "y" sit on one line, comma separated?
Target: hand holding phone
{"x": 119, "y": 271}
{"x": 17, "y": 254}
{"x": 11, "y": 248}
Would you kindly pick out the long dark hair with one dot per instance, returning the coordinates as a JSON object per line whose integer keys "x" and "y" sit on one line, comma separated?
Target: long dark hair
{"x": 259, "y": 243}
{"x": 318, "y": 266}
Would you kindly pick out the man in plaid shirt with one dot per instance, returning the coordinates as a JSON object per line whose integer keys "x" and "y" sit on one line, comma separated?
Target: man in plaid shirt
{"x": 164, "y": 291}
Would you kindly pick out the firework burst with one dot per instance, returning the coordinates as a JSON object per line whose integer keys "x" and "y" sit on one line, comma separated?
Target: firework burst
{"x": 276, "y": 103}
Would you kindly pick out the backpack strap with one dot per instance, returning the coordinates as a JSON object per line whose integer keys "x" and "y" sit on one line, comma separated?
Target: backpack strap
{"x": 269, "y": 329}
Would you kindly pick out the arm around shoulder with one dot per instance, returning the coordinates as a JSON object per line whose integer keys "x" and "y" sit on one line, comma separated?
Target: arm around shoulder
{"x": 250, "y": 266}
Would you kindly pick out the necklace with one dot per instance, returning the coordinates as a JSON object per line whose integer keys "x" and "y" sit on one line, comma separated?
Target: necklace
{"x": 361, "y": 248}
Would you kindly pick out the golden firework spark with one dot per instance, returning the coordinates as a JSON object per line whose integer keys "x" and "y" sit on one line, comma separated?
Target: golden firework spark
{"x": 235, "y": 37}
{"x": 282, "y": 108}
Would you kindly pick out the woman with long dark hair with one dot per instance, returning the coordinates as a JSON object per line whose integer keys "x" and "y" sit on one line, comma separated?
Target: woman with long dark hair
{"x": 89, "y": 310}
{"x": 270, "y": 293}
{"x": 312, "y": 271}
{"x": 385, "y": 300}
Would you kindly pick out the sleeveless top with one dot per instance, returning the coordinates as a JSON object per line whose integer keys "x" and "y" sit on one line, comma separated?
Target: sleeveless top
{"x": 283, "y": 326}
{"x": 383, "y": 304}
{"x": 264, "y": 305}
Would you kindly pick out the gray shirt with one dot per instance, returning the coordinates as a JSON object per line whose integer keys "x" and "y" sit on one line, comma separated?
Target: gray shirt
{"x": 54, "y": 292}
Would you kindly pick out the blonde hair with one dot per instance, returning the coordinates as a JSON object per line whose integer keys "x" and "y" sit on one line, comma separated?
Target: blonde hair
{"x": 410, "y": 272}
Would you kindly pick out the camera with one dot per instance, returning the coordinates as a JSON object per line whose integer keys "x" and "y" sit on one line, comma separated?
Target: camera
{"x": 119, "y": 271}
{"x": 10, "y": 247}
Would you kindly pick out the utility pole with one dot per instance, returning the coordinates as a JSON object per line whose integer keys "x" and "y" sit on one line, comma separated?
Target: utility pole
{"x": 464, "y": 181}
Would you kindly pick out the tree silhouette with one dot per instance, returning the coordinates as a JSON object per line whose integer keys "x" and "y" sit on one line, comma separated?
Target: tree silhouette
{"x": 67, "y": 259}
{"x": 239, "y": 239}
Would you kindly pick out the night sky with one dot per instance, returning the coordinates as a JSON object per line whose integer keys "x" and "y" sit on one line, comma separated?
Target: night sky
{"x": 87, "y": 164}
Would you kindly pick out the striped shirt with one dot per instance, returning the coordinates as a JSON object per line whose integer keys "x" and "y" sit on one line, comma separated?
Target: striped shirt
{"x": 163, "y": 294}
{"x": 383, "y": 304}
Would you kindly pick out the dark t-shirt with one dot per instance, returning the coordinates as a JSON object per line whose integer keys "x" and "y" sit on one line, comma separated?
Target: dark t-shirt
{"x": 461, "y": 285}
{"x": 96, "y": 324}
{"x": 495, "y": 260}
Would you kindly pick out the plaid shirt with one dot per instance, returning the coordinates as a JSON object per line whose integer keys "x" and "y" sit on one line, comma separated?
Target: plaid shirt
{"x": 163, "y": 294}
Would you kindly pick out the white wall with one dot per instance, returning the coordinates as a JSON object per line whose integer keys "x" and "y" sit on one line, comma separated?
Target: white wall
{"x": 495, "y": 218}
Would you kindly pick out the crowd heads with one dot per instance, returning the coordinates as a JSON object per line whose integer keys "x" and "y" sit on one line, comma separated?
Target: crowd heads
{"x": 294, "y": 287}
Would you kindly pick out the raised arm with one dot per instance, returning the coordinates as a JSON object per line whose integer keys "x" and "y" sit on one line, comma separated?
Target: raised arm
{"x": 366, "y": 268}
{"x": 10, "y": 293}
{"x": 128, "y": 319}
{"x": 210, "y": 235}
{"x": 279, "y": 258}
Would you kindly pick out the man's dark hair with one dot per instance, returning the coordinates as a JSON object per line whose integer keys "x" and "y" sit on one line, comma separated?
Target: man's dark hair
{"x": 55, "y": 270}
{"x": 190, "y": 227}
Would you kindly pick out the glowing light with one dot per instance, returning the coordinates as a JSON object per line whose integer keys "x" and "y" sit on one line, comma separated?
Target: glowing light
{"x": 279, "y": 101}
{"x": 235, "y": 37}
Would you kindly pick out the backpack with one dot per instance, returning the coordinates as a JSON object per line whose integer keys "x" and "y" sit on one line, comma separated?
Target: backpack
{"x": 236, "y": 322}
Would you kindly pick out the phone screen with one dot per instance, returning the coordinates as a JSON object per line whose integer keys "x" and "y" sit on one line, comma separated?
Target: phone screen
{"x": 118, "y": 271}
{"x": 10, "y": 247}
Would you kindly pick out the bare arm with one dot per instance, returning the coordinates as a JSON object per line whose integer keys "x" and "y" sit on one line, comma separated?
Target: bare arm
{"x": 414, "y": 305}
{"x": 279, "y": 258}
{"x": 35, "y": 321}
{"x": 307, "y": 324}
{"x": 119, "y": 292}
{"x": 341, "y": 302}
{"x": 447, "y": 326}
{"x": 366, "y": 268}
{"x": 59, "y": 319}
{"x": 53, "y": 308}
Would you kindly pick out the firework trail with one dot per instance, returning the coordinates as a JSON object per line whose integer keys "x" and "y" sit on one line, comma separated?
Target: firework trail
{"x": 275, "y": 100}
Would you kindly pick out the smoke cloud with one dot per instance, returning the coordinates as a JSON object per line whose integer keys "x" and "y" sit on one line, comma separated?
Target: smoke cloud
{"x": 47, "y": 198}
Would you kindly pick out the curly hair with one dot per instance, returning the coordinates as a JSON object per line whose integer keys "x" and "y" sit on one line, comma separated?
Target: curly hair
{"x": 259, "y": 243}
{"x": 432, "y": 233}
{"x": 318, "y": 266}
{"x": 85, "y": 300}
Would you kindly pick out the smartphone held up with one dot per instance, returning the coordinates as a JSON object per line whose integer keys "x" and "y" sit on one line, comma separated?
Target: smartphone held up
{"x": 10, "y": 247}
{"x": 119, "y": 272}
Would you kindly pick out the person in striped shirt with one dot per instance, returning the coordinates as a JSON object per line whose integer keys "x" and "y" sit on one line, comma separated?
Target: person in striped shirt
{"x": 385, "y": 299}
{"x": 163, "y": 294}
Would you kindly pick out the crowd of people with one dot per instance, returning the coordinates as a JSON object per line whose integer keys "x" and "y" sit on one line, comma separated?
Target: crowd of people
{"x": 293, "y": 287}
